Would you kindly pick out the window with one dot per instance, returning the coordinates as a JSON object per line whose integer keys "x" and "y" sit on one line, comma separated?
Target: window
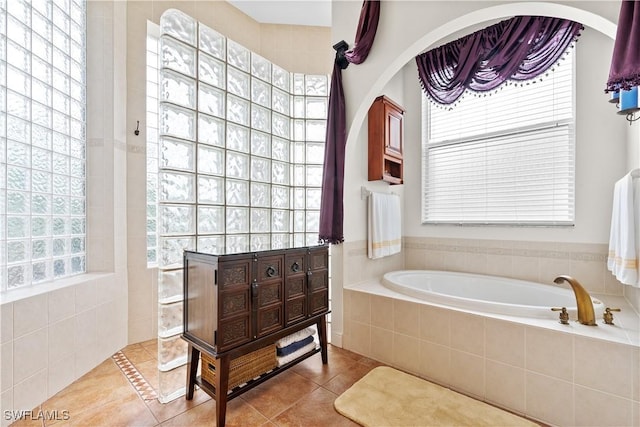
{"x": 42, "y": 141}
{"x": 503, "y": 158}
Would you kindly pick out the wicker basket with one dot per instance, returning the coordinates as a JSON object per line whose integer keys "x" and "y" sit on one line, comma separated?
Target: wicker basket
{"x": 243, "y": 368}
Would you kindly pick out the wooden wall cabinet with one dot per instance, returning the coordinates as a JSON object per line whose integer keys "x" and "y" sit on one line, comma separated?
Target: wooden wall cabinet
{"x": 386, "y": 132}
{"x": 238, "y": 303}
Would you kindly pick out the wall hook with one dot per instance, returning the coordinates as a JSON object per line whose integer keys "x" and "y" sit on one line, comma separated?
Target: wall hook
{"x": 137, "y": 131}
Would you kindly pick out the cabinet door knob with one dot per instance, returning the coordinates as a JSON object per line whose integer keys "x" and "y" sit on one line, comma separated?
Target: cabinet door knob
{"x": 295, "y": 267}
{"x": 271, "y": 271}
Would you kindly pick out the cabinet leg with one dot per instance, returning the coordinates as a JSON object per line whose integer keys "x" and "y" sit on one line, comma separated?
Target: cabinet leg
{"x": 193, "y": 358}
{"x": 222, "y": 386}
{"x": 322, "y": 332}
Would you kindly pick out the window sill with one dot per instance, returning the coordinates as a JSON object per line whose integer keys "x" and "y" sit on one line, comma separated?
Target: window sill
{"x": 18, "y": 294}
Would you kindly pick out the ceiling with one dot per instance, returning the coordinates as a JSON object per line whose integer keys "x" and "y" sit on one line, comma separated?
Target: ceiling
{"x": 293, "y": 12}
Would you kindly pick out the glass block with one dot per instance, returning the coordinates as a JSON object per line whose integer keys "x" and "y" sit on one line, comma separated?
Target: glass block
{"x": 171, "y": 383}
{"x": 313, "y": 198}
{"x": 298, "y": 106}
{"x": 316, "y": 108}
{"x": 21, "y": 83}
{"x": 314, "y": 176}
{"x": 316, "y": 85}
{"x": 238, "y": 110}
{"x": 17, "y": 227}
{"x": 261, "y": 118}
{"x": 237, "y": 82}
{"x": 237, "y": 138}
{"x": 210, "y": 130}
{"x": 260, "y": 242}
{"x": 18, "y": 178}
{"x": 42, "y": 137}
{"x": 211, "y": 100}
{"x": 210, "y": 160}
{"x": 179, "y": 25}
{"x": 237, "y": 220}
{"x": 77, "y": 167}
{"x": 17, "y": 251}
{"x": 78, "y": 265}
{"x": 18, "y": 32}
{"x": 177, "y": 89}
{"x": 260, "y": 67}
{"x": 20, "y": 106}
{"x": 210, "y": 190}
{"x": 172, "y": 248}
{"x": 260, "y": 220}
{"x": 169, "y": 322}
{"x": 60, "y": 205}
{"x": 211, "y": 71}
{"x": 280, "y": 125}
{"x": 298, "y": 240}
{"x": 280, "y": 173}
{"x": 260, "y": 92}
{"x": 298, "y": 221}
{"x": 260, "y": 195}
{"x": 18, "y": 129}
{"x": 281, "y": 101}
{"x": 280, "y": 149}
{"x": 298, "y": 84}
{"x": 312, "y": 239}
{"x": 211, "y": 245}
{"x": 280, "y": 241}
{"x": 313, "y": 221}
{"x": 237, "y": 165}
{"x": 177, "y": 56}
{"x": 299, "y": 174}
{"x": 172, "y": 352}
{"x": 212, "y": 42}
{"x": 177, "y": 154}
{"x": 280, "y": 221}
{"x": 177, "y": 220}
{"x": 281, "y": 78}
{"x": 21, "y": 59}
{"x": 77, "y": 187}
{"x": 170, "y": 283}
{"x": 210, "y": 219}
{"x": 316, "y": 130}
{"x": 315, "y": 152}
{"x": 60, "y": 122}
{"x": 40, "y": 249}
{"x": 17, "y": 202}
{"x": 237, "y": 193}
{"x": 238, "y": 55}
{"x": 16, "y": 276}
{"x": 40, "y": 226}
{"x": 77, "y": 245}
{"x": 237, "y": 244}
{"x": 40, "y": 271}
{"x": 40, "y": 204}
{"x": 60, "y": 267}
{"x": 43, "y": 115}
{"x": 60, "y": 227}
{"x": 279, "y": 197}
{"x": 260, "y": 169}
{"x": 298, "y": 198}
{"x": 78, "y": 206}
{"x": 61, "y": 184}
{"x": 298, "y": 131}
{"x": 177, "y": 187}
{"x": 260, "y": 144}
{"x": 177, "y": 121}
{"x": 18, "y": 154}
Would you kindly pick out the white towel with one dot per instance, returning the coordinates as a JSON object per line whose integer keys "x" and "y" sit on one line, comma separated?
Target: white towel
{"x": 294, "y": 337}
{"x": 624, "y": 240}
{"x": 384, "y": 220}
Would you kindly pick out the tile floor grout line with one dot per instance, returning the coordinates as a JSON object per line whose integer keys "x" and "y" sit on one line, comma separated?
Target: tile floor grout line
{"x": 139, "y": 383}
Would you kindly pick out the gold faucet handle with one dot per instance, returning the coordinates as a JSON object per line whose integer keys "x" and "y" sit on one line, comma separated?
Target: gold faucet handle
{"x": 564, "y": 315}
{"x": 608, "y": 315}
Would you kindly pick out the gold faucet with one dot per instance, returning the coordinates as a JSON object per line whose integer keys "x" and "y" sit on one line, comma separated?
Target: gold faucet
{"x": 586, "y": 314}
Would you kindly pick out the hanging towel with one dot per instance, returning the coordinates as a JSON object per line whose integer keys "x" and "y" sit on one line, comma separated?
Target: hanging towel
{"x": 624, "y": 240}
{"x": 384, "y": 225}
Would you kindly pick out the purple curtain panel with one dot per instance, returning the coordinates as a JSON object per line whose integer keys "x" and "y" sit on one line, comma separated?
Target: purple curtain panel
{"x": 625, "y": 62}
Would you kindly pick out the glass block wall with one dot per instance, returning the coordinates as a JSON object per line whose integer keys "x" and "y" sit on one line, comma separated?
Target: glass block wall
{"x": 42, "y": 141}
{"x": 240, "y": 152}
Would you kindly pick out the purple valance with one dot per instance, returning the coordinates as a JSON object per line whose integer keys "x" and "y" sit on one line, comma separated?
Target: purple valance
{"x": 625, "y": 62}
{"x": 520, "y": 48}
{"x": 331, "y": 205}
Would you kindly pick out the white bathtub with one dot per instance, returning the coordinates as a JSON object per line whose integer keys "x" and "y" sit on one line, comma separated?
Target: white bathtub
{"x": 488, "y": 294}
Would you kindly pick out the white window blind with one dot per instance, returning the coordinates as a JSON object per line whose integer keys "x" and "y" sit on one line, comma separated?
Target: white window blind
{"x": 503, "y": 158}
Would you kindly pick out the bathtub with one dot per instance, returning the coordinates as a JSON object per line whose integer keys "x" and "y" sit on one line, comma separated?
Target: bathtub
{"x": 489, "y": 294}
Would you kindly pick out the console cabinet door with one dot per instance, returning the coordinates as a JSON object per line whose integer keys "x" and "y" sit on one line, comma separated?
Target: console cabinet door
{"x": 295, "y": 286}
{"x": 234, "y": 304}
{"x": 318, "y": 280}
{"x": 268, "y": 294}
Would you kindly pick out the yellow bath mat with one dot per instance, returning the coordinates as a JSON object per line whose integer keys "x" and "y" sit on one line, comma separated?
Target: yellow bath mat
{"x": 387, "y": 397}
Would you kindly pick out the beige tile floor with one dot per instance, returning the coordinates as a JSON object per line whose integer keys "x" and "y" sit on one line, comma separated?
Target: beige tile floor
{"x": 300, "y": 396}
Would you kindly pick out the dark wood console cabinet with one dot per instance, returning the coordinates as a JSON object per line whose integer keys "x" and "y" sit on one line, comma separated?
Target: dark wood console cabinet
{"x": 238, "y": 303}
